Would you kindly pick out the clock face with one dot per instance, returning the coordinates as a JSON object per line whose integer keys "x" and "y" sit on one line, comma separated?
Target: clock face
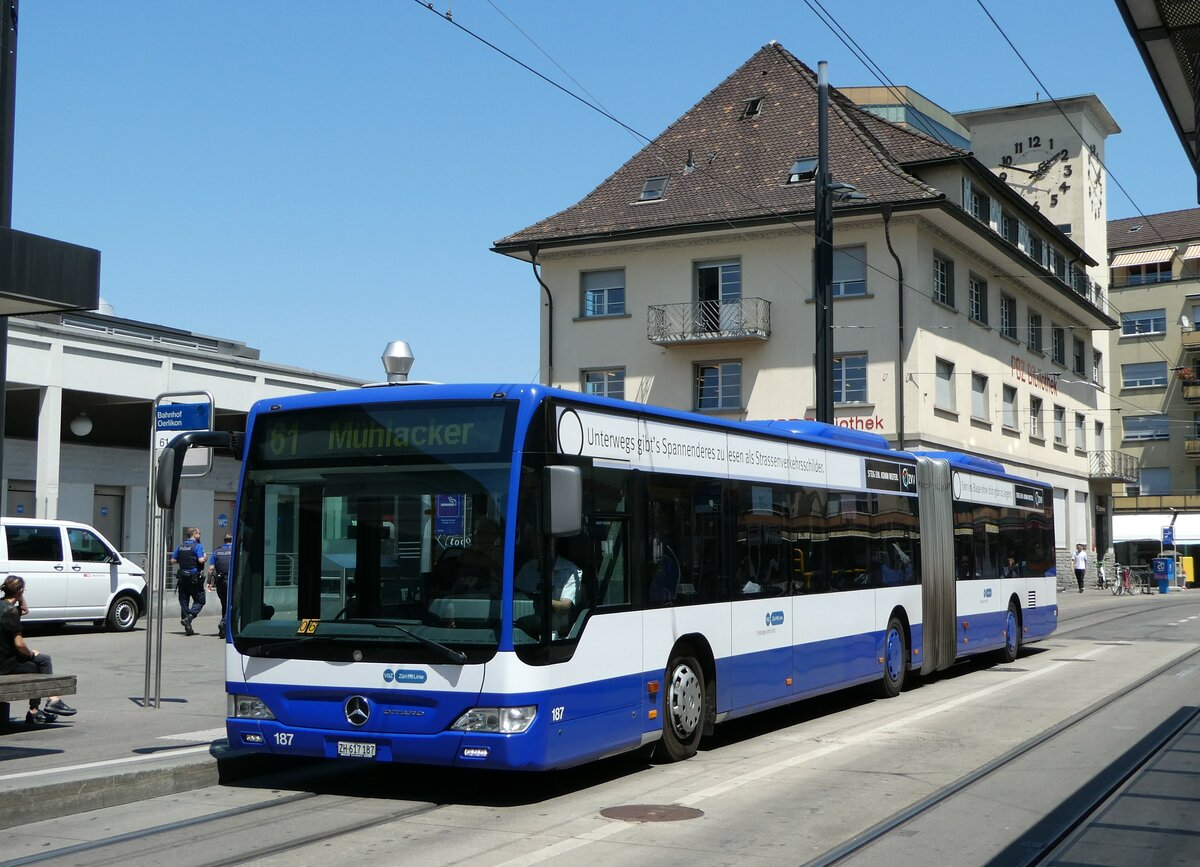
{"x": 1041, "y": 170}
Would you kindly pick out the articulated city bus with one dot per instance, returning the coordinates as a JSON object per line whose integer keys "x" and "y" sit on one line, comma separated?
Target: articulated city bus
{"x": 519, "y": 577}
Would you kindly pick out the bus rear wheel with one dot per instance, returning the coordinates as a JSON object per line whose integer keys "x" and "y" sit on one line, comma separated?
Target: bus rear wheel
{"x": 895, "y": 659}
{"x": 1012, "y": 635}
{"x": 683, "y": 708}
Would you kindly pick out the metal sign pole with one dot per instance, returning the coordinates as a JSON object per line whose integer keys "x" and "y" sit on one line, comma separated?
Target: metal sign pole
{"x": 159, "y": 530}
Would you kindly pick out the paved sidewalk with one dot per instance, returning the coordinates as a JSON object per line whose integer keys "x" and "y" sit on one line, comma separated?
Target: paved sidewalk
{"x": 116, "y": 750}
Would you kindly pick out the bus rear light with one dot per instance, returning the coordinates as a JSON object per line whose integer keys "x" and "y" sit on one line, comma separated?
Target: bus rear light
{"x": 500, "y": 720}
{"x": 248, "y": 707}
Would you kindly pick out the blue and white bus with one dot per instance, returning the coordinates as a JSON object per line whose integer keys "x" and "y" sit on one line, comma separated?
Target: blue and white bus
{"x": 519, "y": 577}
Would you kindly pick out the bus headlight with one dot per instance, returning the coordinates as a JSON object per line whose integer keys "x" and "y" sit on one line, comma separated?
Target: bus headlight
{"x": 248, "y": 707}
{"x": 503, "y": 720}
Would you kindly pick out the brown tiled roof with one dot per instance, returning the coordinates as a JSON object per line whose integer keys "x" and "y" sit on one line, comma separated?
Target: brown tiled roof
{"x": 741, "y": 164}
{"x": 1154, "y": 229}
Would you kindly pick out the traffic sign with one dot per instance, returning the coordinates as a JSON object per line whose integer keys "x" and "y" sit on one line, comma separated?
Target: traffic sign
{"x": 173, "y": 419}
{"x": 1168, "y": 536}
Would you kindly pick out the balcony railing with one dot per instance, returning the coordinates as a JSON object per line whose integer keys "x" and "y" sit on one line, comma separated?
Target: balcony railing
{"x": 1113, "y": 466}
{"x": 1192, "y": 448}
{"x": 1190, "y": 338}
{"x": 709, "y": 321}
{"x": 1191, "y": 392}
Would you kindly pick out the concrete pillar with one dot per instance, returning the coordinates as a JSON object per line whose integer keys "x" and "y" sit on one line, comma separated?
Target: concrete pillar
{"x": 49, "y": 448}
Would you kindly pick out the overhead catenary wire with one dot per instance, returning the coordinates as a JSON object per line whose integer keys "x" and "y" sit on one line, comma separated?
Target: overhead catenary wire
{"x": 595, "y": 106}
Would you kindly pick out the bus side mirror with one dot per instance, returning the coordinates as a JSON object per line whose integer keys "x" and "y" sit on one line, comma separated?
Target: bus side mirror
{"x": 564, "y": 501}
{"x": 170, "y": 462}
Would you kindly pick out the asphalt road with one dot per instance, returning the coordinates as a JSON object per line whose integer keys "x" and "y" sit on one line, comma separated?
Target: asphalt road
{"x": 786, "y": 786}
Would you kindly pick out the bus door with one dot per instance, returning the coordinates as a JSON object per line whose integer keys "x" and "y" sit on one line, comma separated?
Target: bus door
{"x": 939, "y": 600}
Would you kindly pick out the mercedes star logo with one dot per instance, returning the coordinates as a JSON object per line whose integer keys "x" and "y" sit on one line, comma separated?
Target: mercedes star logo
{"x": 358, "y": 711}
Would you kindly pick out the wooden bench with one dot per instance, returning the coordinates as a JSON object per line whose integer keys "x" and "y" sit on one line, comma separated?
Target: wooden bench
{"x": 18, "y": 687}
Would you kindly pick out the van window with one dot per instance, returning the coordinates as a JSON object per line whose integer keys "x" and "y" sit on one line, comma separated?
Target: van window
{"x": 34, "y": 543}
{"x": 86, "y": 546}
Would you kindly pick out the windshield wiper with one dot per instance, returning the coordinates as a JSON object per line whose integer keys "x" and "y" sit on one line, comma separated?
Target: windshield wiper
{"x": 455, "y": 656}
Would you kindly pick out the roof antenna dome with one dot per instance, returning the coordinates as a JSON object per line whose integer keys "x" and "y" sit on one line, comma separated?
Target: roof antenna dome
{"x": 397, "y": 360}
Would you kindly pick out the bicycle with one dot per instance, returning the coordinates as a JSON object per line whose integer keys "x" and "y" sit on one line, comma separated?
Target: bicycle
{"x": 1123, "y": 586}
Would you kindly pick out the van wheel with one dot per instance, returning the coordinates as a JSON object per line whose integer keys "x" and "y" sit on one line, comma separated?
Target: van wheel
{"x": 123, "y": 614}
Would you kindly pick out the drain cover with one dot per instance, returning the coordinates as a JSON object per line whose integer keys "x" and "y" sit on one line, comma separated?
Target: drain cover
{"x": 651, "y": 813}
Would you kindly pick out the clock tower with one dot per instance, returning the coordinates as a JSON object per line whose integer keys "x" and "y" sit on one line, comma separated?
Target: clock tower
{"x": 1051, "y": 153}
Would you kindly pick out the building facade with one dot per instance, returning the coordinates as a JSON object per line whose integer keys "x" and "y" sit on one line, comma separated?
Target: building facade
{"x": 1155, "y": 264}
{"x": 81, "y": 392}
{"x": 964, "y": 318}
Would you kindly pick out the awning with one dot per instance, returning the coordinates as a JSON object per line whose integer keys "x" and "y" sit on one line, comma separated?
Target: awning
{"x": 1192, "y": 252}
{"x": 1142, "y": 257}
{"x": 1148, "y": 527}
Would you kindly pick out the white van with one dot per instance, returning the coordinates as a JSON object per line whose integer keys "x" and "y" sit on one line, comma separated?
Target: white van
{"x": 71, "y": 572}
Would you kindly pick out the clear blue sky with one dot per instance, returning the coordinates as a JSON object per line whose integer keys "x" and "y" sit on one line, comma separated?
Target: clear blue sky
{"x": 316, "y": 179}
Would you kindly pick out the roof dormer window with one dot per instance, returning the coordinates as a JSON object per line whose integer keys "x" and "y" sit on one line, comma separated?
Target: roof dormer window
{"x": 653, "y": 189}
{"x": 752, "y": 107}
{"x": 804, "y": 169}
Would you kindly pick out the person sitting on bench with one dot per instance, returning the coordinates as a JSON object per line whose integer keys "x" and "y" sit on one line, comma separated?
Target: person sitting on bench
{"x": 16, "y": 657}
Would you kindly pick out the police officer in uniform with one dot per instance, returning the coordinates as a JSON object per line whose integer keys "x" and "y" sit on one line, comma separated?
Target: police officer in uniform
{"x": 218, "y": 576}
{"x": 189, "y": 558}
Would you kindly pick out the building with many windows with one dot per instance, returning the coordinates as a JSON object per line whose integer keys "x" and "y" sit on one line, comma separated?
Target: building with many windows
{"x": 1155, "y": 288}
{"x": 965, "y": 318}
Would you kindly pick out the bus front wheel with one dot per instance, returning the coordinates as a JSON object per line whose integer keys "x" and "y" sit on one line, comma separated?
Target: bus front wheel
{"x": 895, "y": 659}
{"x": 683, "y": 708}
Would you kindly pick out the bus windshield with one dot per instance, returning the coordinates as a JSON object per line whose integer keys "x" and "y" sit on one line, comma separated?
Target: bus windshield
{"x": 361, "y": 538}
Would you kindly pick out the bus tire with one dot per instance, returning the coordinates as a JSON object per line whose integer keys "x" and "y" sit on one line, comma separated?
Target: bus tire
{"x": 1012, "y": 635}
{"x": 683, "y": 708}
{"x": 895, "y": 659}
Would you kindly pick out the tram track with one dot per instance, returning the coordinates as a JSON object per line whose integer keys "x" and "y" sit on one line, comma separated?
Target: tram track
{"x": 1070, "y": 818}
{"x": 194, "y": 831}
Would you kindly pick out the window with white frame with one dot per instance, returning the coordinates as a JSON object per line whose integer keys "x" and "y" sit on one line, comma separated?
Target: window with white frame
{"x": 719, "y": 293}
{"x": 849, "y": 272}
{"x": 1034, "y": 321}
{"x": 1009, "y": 408}
{"x": 1035, "y": 418}
{"x": 1153, "y": 272}
{"x": 1060, "y": 425}
{"x": 1155, "y": 480}
{"x": 1058, "y": 345}
{"x": 850, "y": 378}
{"x": 1144, "y": 374}
{"x": 1144, "y": 322}
{"x": 1008, "y": 316}
{"x": 1037, "y": 248}
{"x": 977, "y": 299}
{"x": 1080, "y": 432}
{"x": 603, "y": 292}
{"x": 718, "y": 385}
{"x": 978, "y": 204}
{"x": 605, "y": 382}
{"x": 1098, "y": 433}
{"x": 944, "y": 390}
{"x": 979, "y": 397}
{"x": 1077, "y": 350}
{"x": 1145, "y": 427}
{"x": 1097, "y": 367}
{"x": 943, "y": 280}
{"x": 1010, "y": 228}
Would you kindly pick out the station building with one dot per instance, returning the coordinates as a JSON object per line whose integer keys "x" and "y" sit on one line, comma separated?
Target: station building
{"x": 970, "y": 305}
{"x": 81, "y": 391}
